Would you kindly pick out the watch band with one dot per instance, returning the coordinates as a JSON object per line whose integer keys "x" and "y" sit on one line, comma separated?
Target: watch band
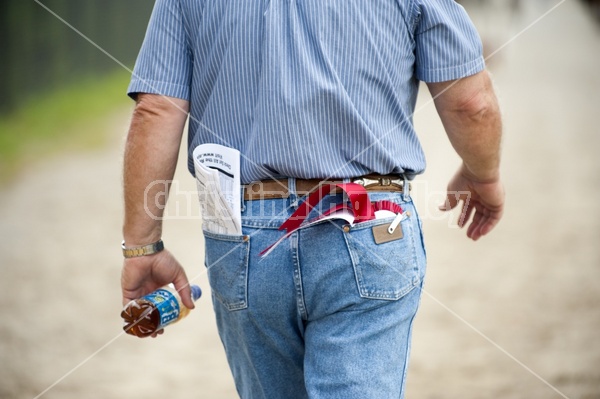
{"x": 143, "y": 250}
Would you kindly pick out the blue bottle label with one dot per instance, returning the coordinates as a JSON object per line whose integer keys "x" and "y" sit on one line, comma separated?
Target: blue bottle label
{"x": 167, "y": 305}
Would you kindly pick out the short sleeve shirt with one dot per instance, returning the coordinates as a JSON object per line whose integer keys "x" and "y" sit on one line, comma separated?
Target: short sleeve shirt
{"x": 306, "y": 88}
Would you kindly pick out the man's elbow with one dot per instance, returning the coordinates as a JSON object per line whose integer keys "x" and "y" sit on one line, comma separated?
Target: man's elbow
{"x": 481, "y": 102}
{"x": 471, "y": 98}
{"x": 481, "y": 106}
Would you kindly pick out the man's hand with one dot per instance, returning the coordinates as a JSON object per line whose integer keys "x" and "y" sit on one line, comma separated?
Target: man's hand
{"x": 482, "y": 199}
{"x": 144, "y": 274}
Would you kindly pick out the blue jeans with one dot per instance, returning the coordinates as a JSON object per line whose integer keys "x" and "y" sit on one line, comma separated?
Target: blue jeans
{"x": 327, "y": 314}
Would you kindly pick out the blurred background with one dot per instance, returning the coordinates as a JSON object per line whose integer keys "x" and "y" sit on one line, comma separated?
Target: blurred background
{"x": 60, "y": 69}
{"x": 515, "y": 315}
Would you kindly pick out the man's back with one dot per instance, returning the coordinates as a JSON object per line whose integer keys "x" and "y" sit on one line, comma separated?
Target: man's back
{"x": 309, "y": 89}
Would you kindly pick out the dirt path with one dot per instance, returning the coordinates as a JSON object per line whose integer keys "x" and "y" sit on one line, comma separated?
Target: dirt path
{"x": 513, "y": 316}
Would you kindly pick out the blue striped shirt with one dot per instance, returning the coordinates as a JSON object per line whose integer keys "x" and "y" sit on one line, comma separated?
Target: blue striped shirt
{"x": 306, "y": 88}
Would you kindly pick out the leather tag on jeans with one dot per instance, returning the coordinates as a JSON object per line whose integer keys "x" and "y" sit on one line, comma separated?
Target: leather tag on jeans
{"x": 381, "y": 234}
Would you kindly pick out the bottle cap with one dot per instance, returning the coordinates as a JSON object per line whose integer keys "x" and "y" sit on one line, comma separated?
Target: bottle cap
{"x": 196, "y": 292}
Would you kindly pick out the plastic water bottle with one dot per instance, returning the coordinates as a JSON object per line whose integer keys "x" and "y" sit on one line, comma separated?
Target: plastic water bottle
{"x": 144, "y": 316}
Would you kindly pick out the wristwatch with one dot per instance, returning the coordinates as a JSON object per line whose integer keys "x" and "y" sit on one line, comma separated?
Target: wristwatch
{"x": 143, "y": 250}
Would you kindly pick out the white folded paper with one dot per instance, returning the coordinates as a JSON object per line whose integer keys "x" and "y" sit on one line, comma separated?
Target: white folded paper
{"x": 218, "y": 178}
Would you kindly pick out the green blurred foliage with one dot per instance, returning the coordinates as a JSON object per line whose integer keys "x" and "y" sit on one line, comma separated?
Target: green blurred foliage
{"x": 56, "y": 79}
{"x": 73, "y": 117}
{"x": 40, "y": 52}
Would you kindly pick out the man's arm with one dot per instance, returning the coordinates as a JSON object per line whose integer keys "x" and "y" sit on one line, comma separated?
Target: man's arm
{"x": 151, "y": 154}
{"x": 471, "y": 117}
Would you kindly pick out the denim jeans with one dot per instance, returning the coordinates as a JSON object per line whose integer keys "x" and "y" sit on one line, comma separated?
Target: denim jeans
{"x": 327, "y": 314}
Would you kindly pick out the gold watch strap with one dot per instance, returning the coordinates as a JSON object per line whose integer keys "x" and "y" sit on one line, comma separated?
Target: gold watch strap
{"x": 143, "y": 250}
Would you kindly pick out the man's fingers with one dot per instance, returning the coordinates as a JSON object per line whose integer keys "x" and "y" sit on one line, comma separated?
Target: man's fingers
{"x": 452, "y": 199}
{"x": 129, "y": 295}
{"x": 489, "y": 224}
{"x": 183, "y": 288}
{"x": 483, "y": 222}
{"x": 159, "y": 332}
{"x": 482, "y": 204}
{"x": 448, "y": 204}
{"x": 473, "y": 232}
{"x": 126, "y": 300}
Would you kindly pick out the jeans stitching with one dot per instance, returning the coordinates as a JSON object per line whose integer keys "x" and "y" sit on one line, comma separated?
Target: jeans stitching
{"x": 243, "y": 246}
{"x": 294, "y": 245}
{"x": 352, "y": 243}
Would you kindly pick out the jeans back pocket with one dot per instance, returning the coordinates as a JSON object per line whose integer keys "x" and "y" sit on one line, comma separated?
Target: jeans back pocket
{"x": 226, "y": 259}
{"x": 384, "y": 271}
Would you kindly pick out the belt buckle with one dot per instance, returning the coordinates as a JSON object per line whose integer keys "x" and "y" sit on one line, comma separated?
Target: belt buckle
{"x": 380, "y": 181}
{"x": 363, "y": 181}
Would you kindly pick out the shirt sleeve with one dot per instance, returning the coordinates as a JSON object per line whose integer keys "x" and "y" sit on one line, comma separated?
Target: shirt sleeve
{"x": 164, "y": 63}
{"x": 447, "y": 44}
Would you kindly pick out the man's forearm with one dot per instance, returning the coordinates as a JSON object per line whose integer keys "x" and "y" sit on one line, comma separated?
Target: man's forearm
{"x": 150, "y": 160}
{"x": 471, "y": 117}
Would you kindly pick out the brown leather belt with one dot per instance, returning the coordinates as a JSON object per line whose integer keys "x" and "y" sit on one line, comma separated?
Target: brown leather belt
{"x": 278, "y": 188}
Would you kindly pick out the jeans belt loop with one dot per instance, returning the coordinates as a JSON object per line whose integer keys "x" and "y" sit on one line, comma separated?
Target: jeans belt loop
{"x": 243, "y": 202}
{"x": 406, "y": 189}
{"x": 292, "y": 192}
